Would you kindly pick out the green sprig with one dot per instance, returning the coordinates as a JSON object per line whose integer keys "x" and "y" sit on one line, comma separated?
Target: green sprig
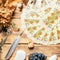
{"x": 3, "y": 42}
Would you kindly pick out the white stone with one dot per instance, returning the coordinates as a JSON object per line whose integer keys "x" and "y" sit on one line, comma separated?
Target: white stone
{"x": 20, "y": 55}
{"x": 54, "y": 57}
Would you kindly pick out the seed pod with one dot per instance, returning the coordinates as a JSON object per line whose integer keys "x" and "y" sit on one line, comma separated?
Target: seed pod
{"x": 30, "y": 45}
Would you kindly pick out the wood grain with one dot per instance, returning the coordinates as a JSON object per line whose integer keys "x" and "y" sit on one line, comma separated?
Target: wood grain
{"x": 23, "y": 45}
{"x": 47, "y": 50}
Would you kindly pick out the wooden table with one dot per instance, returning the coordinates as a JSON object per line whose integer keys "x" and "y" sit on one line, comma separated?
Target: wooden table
{"x": 23, "y": 45}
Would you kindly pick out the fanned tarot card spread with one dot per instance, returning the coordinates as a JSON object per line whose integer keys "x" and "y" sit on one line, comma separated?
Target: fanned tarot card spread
{"x": 41, "y": 22}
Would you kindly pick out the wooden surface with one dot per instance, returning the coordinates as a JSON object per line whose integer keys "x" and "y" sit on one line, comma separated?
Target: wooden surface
{"x": 23, "y": 45}
{"x": 47, "y": 50}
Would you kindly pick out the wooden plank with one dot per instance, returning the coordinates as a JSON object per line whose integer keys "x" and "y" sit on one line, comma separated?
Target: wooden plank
{"x": 23, "y": 45}
{"x": 47, "y": 50}
{"x": 11, "y": 38}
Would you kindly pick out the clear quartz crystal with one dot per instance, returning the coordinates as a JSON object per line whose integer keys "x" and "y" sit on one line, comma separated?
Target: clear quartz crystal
{"x": 54, "y": 57}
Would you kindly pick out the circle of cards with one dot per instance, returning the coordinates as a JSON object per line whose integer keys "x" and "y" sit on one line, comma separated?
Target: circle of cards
{"x": 42, "y": 24}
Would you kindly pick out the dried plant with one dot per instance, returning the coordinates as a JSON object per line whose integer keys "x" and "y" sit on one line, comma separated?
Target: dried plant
{"x": 3, "y": 42}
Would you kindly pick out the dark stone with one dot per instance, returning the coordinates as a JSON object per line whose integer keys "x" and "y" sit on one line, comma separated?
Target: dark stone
{"x": 37, "y": 56}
